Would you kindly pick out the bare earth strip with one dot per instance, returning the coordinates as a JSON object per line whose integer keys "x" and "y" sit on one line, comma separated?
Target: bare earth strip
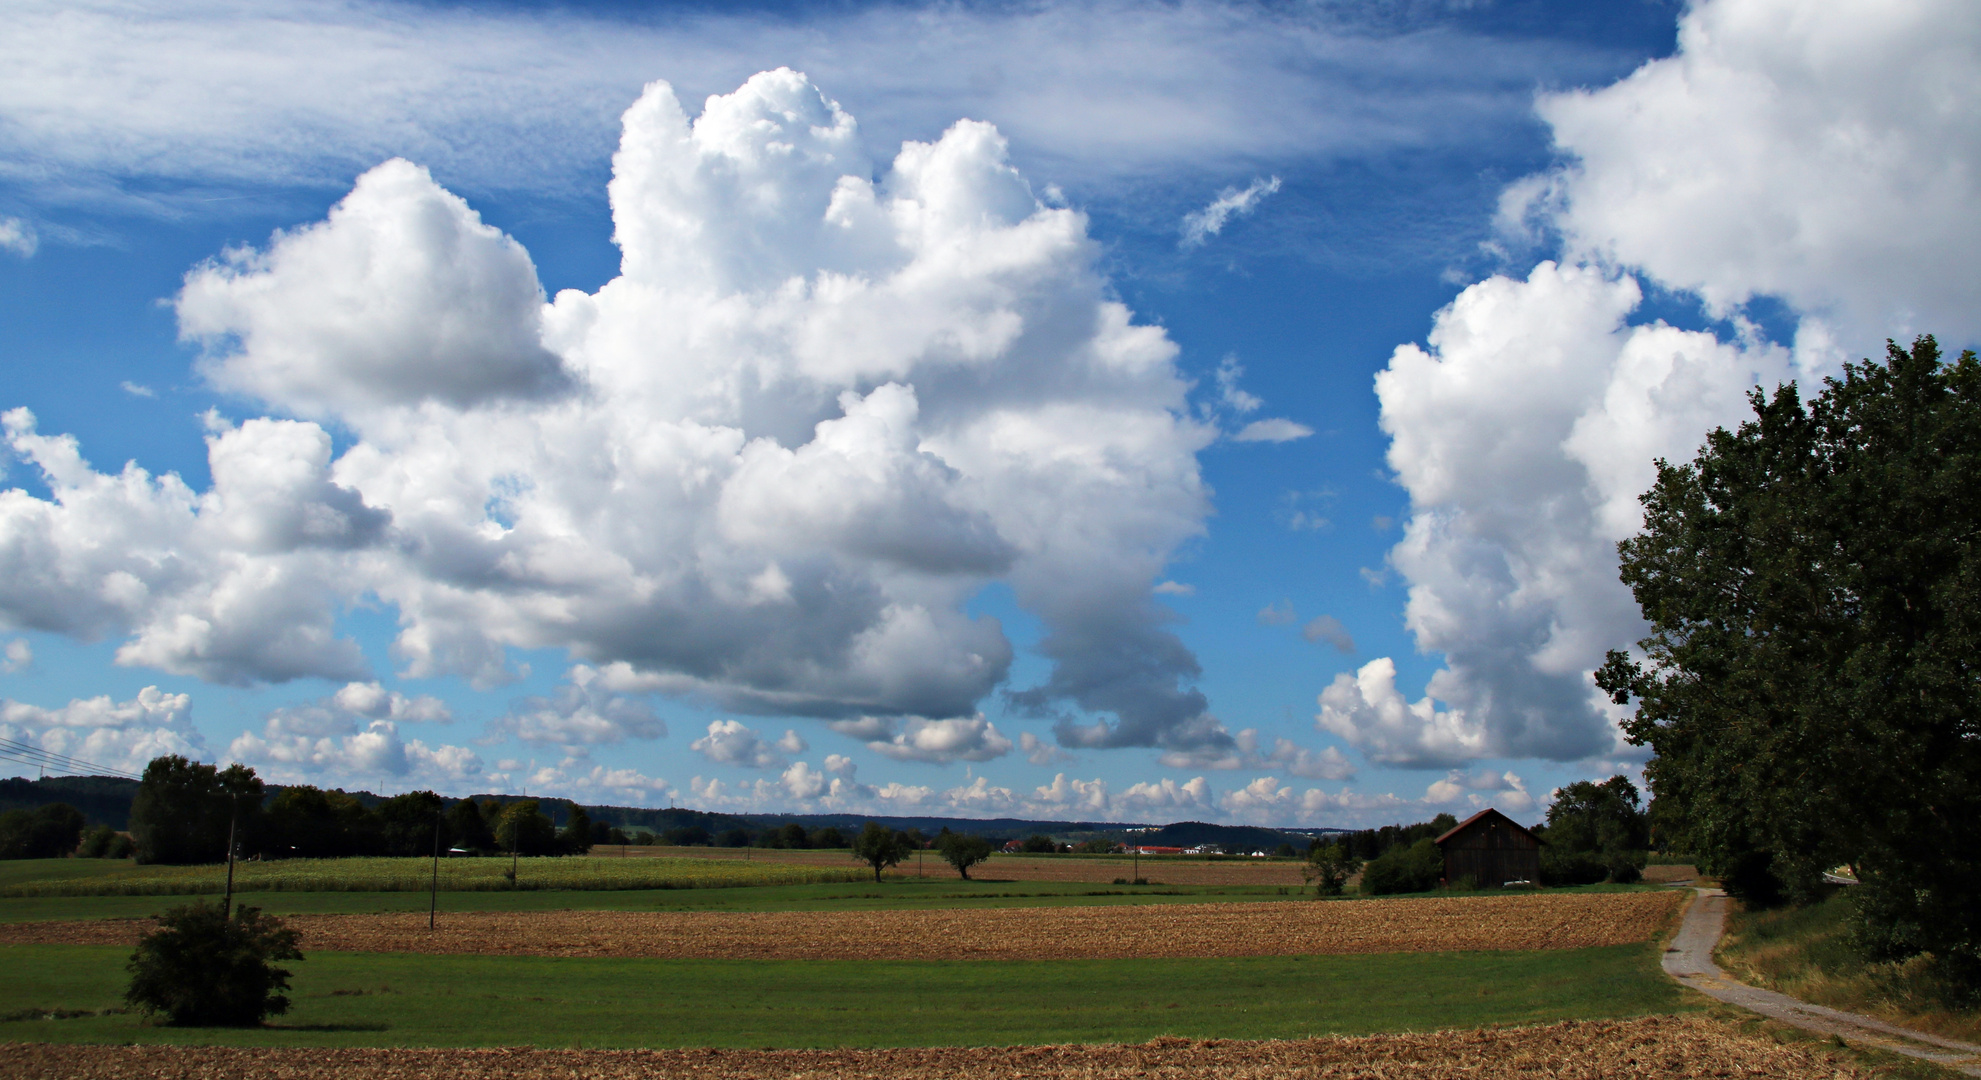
{"x": 1171, "y": 930}
{"x": 1659, "y": 1046}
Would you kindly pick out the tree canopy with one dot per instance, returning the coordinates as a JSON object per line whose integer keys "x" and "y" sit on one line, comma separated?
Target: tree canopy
{"x": 183, "y": 809}
{"x": 1810, "y": 684}
{"x": 1595, "y": 832}
{"x": 881, "y": 847}
{"x": 964, "y": 850}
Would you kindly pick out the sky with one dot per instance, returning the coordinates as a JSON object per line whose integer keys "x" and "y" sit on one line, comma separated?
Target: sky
{"x": 1104, "y": 411}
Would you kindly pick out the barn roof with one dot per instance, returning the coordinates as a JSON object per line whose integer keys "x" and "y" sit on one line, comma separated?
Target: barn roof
{"x": 1481, "y": 816}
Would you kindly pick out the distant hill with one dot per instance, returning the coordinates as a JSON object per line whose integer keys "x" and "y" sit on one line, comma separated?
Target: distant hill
{"x": 106, "y": 800}
{"x": 1234, "y": 839}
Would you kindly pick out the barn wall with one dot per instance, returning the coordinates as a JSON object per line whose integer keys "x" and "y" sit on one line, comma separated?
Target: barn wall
{"x": 1491, "y": 853}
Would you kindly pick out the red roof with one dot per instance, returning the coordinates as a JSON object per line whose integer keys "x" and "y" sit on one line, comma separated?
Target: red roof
{"x": 1461, "y": 826}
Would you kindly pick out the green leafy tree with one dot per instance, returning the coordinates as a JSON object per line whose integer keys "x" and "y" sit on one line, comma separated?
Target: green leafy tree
{"x": 1098, "y": 845}
{"x": 828, "y": 837}
{"x": 576, "y": 836}
{"x": 1811, "y": 685}
{"x": 1595, "y": 832}
{"x": 405, "y": 824}
{"x": 963, "y": 850}
{"x": 183, "y": 808}
{"x": 792, "y": 835}
{"x": 881, "y": 847}
{"x": 201, "y": 968}
{"x": 524, "y": 830}
{"x": 309, "y": 823}
{"x": 1036, "y": 844}
{"x": 1328, "y": 868}
{"x": 467, "y": 829}
{"x": 50, "y": 831}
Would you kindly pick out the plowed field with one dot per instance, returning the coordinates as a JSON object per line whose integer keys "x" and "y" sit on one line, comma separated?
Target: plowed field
{"x": 1170, "y": 930}
{"x": 1626, "y": 1050}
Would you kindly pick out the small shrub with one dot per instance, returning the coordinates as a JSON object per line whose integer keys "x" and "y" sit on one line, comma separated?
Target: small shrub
{"x": 1329, "y": 867}
{"x": 103, "y": 842}
{"x": 1416, "y": 868}
{"x": 201, "y": 969}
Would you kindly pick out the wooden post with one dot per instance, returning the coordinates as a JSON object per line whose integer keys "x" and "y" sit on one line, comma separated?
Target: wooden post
{"x": 233, "y": 818}
{"x": 433, "y": 902}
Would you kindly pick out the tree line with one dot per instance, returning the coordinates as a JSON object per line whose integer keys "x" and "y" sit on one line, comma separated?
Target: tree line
{"x": 186, "y": 811}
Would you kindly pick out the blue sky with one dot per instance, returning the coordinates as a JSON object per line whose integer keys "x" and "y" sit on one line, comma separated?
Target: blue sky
{"x": 1217, "y": 411}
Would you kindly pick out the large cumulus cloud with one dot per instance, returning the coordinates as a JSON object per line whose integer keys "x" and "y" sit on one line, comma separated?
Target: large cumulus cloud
{"x": 824, "y": 403}
{"x": 1824, "y": 156}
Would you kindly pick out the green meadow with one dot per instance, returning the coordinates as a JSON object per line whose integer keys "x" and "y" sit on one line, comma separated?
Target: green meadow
{"x": 67, "y": 993}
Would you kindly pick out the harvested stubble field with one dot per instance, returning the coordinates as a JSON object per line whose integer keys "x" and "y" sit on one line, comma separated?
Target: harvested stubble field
{"x": 1657, "y": 1046}
{"x": 1542, "y": 921}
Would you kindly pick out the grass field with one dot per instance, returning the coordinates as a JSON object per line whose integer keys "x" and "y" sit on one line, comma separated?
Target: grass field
{"x": 1804, "y": 952}
{"x": 103, "y": 877}
{"x": 372, "y": 999}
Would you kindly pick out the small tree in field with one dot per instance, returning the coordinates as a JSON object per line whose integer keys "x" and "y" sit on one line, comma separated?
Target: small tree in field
{"x": 963, "y": 851}
{"x": 881, "y": 847}
{"x": 200, "y": 968}
{"x": 1329, "y": 866}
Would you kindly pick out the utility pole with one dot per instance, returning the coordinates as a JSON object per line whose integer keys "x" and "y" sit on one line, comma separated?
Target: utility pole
{"x": 233, "y": 818}
{"x": 433, "y": 902}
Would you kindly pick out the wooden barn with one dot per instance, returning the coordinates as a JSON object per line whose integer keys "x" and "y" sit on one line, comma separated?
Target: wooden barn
{"x": 1491, "y": 849}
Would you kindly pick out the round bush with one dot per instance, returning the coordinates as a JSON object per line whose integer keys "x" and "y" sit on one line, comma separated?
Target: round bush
{"x": 202, "y": 969}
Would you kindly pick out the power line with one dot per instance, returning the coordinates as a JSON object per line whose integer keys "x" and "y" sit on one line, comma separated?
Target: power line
{"x": 53, "y": 758}
{"x": 29, "y": 754}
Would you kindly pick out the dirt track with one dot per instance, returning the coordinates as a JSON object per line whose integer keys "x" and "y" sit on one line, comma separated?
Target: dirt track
{"x": 1619, "y": 1050}
{"x": 1169, "y": 930}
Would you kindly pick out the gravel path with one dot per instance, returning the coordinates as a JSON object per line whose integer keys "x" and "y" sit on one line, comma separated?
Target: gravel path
{"x": 1690, "y": 961}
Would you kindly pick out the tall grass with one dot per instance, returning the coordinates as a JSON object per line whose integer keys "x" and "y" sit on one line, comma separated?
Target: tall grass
{"x": 1805, "y": 952}
{"x": 456, "y": 875}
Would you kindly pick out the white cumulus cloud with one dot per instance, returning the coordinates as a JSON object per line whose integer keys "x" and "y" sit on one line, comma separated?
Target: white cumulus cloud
{"x": 583, "y": 712}
{"x": 959, "y": 739}
{"x": 352, "y": 736}
{"x": 120, "y": 735}
{"x": 824, "y": 404}
{"x": 730, "y": 742}
{"x": 1823, "y": 156}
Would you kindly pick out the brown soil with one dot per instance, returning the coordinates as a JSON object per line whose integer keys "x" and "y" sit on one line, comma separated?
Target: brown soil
{"x": 1171, "y": 930}
{"x": 1660, "y": 1046}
